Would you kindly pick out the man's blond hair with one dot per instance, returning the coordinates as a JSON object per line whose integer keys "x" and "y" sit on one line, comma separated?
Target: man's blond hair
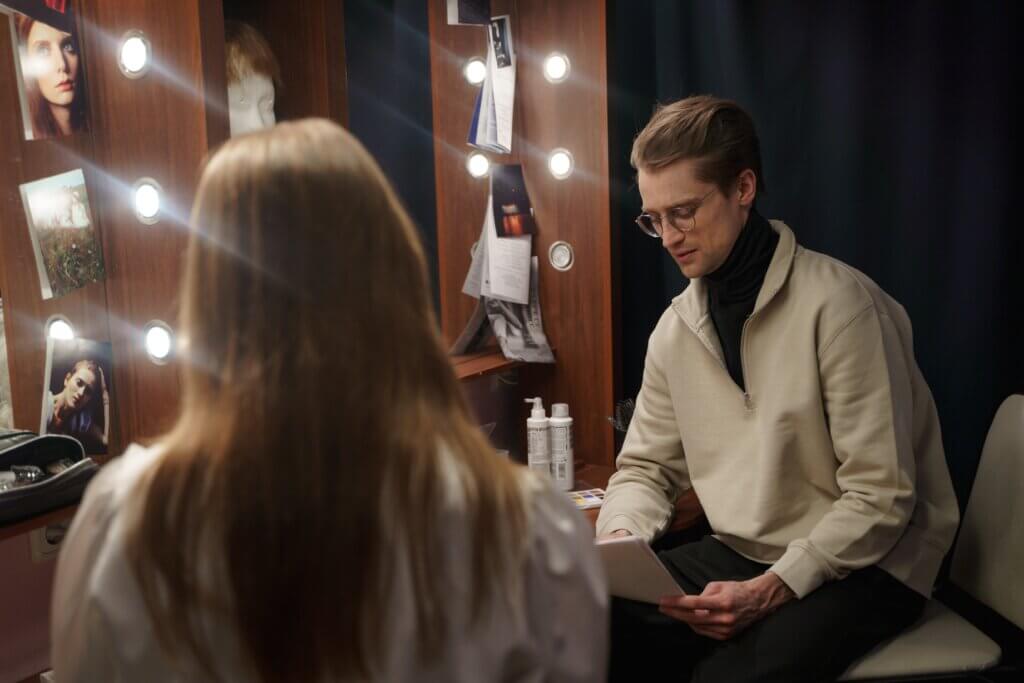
{"x": 718, "y": 133}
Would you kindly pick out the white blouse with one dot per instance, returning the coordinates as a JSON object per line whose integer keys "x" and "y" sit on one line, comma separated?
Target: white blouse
{"x": 102, "y": 631}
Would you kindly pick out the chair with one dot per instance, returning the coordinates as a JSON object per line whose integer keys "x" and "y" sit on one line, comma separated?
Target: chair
{"x": 988, "y": 564}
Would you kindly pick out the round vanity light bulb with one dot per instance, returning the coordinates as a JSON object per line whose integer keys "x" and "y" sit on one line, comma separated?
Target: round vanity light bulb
{"x": 560, "y": 163}
{"x": 475, "y": 71}
{"x": 147, "y": 200}
{"x": 556, "y": 67}
{"x": 61, "y": 329}
{"x": 478, "y": 165}
{"x": 158, "y": 341}
{"x": 133, "y": 57}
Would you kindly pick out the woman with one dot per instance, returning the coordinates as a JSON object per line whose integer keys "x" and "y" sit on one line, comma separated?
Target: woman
{"x": 325, "y": 508}
{"x": 81, "y": 409}
{"x": 54, "y": 81}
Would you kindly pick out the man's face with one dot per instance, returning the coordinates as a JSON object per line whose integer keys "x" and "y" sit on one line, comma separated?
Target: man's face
{"x": 718, "y": 220}
{"x": 79, "y": 388}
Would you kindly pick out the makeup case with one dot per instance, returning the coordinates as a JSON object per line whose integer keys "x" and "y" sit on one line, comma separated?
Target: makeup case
{"x": 18, "y": 447}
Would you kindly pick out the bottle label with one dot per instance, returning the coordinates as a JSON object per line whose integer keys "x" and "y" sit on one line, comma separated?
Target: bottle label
{"x": 561, "y": 439}
{"x": 538, "y": 443}
{"x": 560, "y": 470}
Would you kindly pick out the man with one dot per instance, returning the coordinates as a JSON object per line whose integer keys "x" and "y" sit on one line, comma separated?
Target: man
{"x": 780, "y": 390}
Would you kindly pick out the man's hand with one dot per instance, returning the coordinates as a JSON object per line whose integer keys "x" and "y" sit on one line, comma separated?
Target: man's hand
{"x": 726, "y": 608}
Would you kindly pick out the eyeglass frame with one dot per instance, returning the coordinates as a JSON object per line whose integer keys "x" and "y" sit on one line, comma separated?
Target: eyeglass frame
{"x": 656, "y": 230}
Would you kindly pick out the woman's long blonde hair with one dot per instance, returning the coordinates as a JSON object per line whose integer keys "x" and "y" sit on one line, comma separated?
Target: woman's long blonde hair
{"x": 317, "y": 392}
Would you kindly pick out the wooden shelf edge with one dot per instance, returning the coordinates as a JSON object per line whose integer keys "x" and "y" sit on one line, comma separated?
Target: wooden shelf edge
{"x": 42, "y": 519}
{"x": 471, "y": 365}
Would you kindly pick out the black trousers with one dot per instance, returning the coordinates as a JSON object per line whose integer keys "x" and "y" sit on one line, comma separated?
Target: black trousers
{"x": 813, "y": 639}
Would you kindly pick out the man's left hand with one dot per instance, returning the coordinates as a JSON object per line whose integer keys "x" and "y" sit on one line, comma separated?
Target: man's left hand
{"x": 726, "y": 608}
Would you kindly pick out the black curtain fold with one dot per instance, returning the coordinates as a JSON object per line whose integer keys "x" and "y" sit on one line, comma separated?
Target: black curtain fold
{"x": 890, "y": 141}
{"x": 387, "y": 45}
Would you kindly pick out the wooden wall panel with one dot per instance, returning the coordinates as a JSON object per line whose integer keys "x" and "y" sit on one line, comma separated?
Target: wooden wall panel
{"x": 577, "y": 305}
{"x": 159, "y": 126}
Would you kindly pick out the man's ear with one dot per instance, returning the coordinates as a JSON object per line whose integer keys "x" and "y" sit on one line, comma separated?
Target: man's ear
{"x": 747, "y": 187}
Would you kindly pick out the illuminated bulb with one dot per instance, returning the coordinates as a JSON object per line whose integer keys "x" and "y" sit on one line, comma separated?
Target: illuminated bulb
{"x": 475, "y": 71}
{"x": 60, "y": 329}
{"x": 478, "y": 165}
{"x": 560, "y": 163}
{"x": 147, "y": 201}
{"x": 158, "y": 341}
{"x": 556, "y": 67}
{"x": 134, "y": 55}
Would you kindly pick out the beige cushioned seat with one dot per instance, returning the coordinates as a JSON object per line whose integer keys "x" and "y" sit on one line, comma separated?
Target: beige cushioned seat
{"x": 940, "y": 642}
{"x": 987, "y": 563}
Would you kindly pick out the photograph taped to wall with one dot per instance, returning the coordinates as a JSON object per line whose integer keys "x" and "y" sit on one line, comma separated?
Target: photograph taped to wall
{"x": 513, "y": 213}
{"x": 501, "y": 39}
{"x": 68, "y": 253}
{"x": 469, "y": 12}
{"x": 51, "y": 75}
{"x": 76, "y": 392}
{"x": 6, "y": 407}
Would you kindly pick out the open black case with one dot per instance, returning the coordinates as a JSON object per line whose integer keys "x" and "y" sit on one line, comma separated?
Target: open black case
{"x": 59, "y": 490}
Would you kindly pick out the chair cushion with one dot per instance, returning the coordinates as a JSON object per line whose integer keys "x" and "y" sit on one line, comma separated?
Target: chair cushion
{"x": 940, "y": 642}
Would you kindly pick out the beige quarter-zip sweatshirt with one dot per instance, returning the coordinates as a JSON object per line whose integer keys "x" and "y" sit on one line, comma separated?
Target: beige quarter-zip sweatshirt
{"x": 832, "y": 459}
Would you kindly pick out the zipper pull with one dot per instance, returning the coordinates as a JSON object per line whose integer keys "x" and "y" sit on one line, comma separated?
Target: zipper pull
{"x": 747, "y": 402}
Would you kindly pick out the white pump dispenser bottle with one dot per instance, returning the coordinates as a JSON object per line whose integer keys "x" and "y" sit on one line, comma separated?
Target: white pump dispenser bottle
{"x": 538, "y": 450}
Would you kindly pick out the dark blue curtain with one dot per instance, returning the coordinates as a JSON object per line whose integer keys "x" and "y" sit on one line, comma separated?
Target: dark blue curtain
{"x": 890, "y": 141}
{"x": 388, "y": 59}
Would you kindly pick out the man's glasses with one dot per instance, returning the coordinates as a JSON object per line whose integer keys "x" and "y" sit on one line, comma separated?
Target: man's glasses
{"x": 682, "y": 218}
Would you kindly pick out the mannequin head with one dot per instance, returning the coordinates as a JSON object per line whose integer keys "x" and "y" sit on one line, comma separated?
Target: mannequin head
{"x": 253, "y": 78}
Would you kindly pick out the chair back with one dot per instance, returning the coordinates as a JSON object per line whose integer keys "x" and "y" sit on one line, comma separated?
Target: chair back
{"x": 988, "y": 561}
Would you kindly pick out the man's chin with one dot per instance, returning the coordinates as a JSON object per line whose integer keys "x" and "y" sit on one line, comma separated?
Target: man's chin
{"x": 690, "y": 270}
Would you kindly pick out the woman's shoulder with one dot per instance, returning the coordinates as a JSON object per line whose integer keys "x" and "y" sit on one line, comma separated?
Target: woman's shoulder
{"x": 560, "y": 538}
{"x": 119, "y": 476}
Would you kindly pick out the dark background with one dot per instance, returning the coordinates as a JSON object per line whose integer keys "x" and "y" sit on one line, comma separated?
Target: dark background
{"x": 889, "y": 140}
{"x": 387, "y": 47}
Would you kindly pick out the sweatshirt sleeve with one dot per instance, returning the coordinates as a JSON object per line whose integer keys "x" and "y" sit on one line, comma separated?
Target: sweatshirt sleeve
{"x": 651, "y": 468}
{"x": 867, "y": 397}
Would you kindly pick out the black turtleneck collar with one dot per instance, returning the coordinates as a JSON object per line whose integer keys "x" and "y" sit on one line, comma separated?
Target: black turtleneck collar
{"x": 742, "y": 274}
{"x": 733, "y": 287}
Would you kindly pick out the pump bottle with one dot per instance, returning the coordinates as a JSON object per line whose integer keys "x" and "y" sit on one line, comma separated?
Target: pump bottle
{"x": 560, "y": 425}
{"x": 538, "y": 451}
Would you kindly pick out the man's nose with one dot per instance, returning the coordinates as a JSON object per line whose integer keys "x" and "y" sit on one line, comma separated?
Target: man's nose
{"x": 671, "y": 237}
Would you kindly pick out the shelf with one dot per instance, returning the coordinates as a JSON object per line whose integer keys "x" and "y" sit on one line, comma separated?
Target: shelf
{"x": 26, "y": 525}
{"x": 471, "y": 365}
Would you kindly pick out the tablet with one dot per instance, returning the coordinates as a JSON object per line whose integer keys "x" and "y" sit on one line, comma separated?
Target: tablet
{"x": 634, "y": 571}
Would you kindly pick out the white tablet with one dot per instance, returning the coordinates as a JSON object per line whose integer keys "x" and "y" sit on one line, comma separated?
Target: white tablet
{"x": 634, "y": 571}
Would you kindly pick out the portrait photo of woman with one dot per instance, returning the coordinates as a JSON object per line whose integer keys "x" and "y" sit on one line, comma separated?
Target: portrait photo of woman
{"x": 53, "y": 92}
{"x": 76, "y": 400}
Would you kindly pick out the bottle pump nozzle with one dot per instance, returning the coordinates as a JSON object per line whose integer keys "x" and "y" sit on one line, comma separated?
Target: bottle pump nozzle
{"x": 538, "y": 406}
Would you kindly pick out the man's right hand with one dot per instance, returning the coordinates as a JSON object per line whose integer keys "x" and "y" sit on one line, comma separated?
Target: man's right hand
{"x": 615, "y": 534}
